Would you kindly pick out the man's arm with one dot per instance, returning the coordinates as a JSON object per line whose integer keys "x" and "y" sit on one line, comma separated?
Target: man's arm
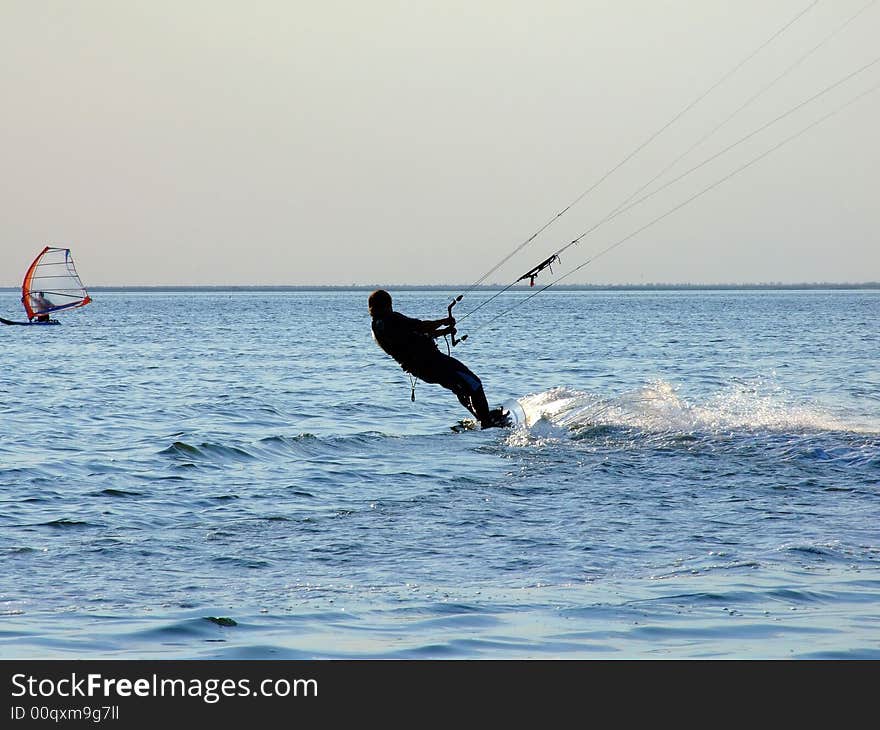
{"x": 437, "y": 327}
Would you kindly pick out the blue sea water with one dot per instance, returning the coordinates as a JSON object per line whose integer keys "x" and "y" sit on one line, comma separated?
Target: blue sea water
{"x": 242, "y": 474}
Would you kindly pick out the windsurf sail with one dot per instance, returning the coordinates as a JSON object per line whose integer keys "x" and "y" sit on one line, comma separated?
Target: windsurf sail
{"x": 51, "y": 284}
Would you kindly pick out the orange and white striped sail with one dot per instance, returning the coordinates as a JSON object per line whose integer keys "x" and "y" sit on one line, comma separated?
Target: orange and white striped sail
{"x": 51, "y": 284}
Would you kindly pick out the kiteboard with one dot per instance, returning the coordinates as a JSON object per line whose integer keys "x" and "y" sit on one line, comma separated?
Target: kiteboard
{"x": 509, "y": 414}
{"x": 466, "y": 424}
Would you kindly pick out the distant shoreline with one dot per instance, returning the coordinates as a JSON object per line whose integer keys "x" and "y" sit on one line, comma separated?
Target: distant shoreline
{"x": 460, "y": 288}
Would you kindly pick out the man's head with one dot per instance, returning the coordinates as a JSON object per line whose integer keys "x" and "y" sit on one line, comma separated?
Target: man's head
{"x": 379, "y": 303}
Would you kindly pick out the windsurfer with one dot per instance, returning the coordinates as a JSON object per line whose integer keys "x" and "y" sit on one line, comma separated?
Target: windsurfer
{"x": 411, "y": 343}
{"x": 40, "y": 305}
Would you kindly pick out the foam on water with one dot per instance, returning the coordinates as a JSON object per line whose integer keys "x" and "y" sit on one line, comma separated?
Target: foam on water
{"x": 658, "y": 407}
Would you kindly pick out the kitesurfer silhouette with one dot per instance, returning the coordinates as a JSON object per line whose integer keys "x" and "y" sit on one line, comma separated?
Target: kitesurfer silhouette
{"x": 411, "y": 343}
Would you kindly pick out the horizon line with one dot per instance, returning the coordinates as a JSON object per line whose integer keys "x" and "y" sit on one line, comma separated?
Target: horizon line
{"x": 482, "y": 287}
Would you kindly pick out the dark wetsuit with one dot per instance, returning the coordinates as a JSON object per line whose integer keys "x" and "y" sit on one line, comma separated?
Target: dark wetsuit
{"x": 404, "y": 339}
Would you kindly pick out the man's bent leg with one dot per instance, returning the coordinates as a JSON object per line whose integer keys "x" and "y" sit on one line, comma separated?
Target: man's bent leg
{"x": 481, "y": 407}
{"x": 469, "y": 390}
{"x": 465, "y": 400}
{"x": 455, "y": 376}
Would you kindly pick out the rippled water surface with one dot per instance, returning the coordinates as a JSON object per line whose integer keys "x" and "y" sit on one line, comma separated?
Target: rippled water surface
{"x": 243, "y": 475}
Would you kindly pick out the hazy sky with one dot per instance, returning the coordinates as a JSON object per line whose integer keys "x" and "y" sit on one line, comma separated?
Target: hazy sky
{"x": 363, "y": 142}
